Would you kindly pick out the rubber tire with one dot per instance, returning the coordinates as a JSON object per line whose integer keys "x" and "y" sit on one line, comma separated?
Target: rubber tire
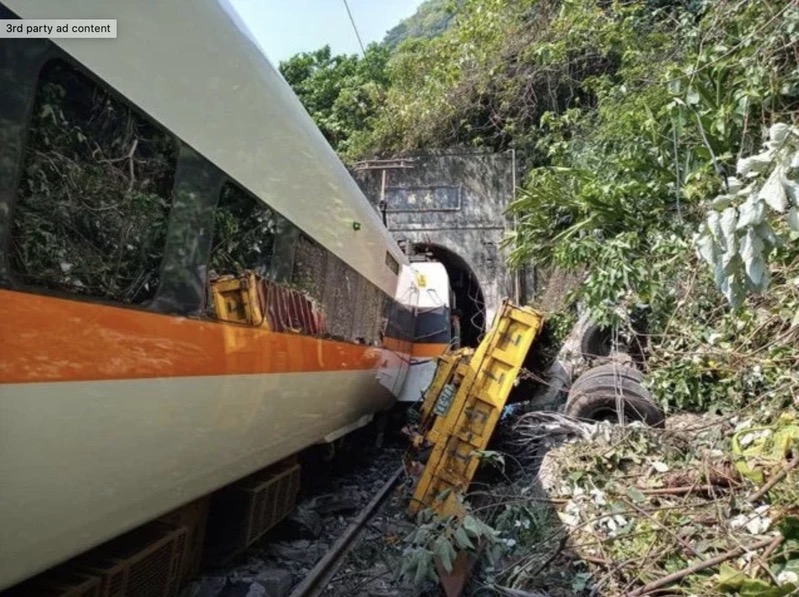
{"x": 606, "y": 374}
{"x": 595, "y": 399}
{"x": 596, "y": 342}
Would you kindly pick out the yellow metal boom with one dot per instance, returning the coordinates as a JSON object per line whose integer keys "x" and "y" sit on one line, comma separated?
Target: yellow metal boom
{"x": 463, "y": 405}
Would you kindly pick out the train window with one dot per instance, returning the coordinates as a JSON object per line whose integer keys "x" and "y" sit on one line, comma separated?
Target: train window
{"x": 287, "y": 239}
{"x": 19, "y": 74}
{"x": 374, "y": 307}
{"x": 94, "y": 195}
{"x": 244, "y": 233}
{"x": 310, "y": 261}
{"x": 338, "y": 297}
{"x": 184, "y": 266}
{"x": 392, "y": 263}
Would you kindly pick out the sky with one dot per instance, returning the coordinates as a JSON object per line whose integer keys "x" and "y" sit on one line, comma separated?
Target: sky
{"x": 285, "y": 27}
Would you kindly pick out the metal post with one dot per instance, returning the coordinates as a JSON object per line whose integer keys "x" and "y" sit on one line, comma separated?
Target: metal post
{"x": 516, "y": 274}
{"x": 383, "y": 206}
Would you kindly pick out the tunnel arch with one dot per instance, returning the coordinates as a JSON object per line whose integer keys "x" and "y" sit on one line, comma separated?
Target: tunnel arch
{"x": 466, "y": 289}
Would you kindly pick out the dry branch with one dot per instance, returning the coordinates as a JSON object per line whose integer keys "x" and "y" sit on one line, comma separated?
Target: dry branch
{"x": 773, "y": 481}
{"x": 680, "y": 574}
{"x": 681, "y": 490}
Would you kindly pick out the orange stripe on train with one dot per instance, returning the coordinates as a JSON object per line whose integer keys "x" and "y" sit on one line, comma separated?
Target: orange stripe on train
{"x": 54, "y": 339}
{"x": 431, "y": 349}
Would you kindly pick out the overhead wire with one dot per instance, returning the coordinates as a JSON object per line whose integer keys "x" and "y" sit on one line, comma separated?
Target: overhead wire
{"x": 354, "y": 27}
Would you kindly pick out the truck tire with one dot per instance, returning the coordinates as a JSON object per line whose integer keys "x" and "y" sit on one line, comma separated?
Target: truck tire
{"x": 596, "y": 342}
{"x": 607, "y": 374}
{"x": 601, "y": 396}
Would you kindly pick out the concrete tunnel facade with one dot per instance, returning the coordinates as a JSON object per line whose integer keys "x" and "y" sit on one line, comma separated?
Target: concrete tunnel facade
{"x": 452, "y": 206}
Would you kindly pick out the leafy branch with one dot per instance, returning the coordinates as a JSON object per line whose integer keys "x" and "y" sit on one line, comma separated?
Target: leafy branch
{"x": 737, "y": 237}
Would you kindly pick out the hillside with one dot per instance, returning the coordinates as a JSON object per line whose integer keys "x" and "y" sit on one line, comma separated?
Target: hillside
{"x": 432, "y": 18}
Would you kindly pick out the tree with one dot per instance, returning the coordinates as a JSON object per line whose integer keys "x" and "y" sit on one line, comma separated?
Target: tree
{"x": 341, "y": 93}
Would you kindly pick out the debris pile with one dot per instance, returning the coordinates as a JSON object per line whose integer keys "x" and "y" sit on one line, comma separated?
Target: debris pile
{"x": 709, "y": 505}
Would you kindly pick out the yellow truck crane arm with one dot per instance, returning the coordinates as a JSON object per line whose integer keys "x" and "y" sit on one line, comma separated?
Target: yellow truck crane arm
{"x": 462, "y": 407}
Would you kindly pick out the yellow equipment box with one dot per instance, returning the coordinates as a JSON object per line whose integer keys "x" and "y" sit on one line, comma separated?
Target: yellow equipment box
{"x": 463, "y": 405}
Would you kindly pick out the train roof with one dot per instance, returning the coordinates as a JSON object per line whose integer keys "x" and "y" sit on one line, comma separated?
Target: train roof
{"x": 194, "y": 67}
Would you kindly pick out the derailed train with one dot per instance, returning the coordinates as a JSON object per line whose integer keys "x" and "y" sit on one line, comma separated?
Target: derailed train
{"x": 192, "y": 286}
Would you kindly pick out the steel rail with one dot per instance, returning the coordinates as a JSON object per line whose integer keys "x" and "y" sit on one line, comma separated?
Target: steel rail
{"x": 325, "y": 569}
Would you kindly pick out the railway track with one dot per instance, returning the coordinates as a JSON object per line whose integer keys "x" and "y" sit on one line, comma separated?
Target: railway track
{"x": 325, "y": 570}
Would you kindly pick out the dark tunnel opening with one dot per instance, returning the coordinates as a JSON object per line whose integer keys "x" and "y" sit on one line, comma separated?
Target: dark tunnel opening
{"x": 468, "y": 296}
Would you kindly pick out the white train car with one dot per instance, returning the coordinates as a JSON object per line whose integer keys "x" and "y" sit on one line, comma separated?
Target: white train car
{"x": 134, "y": 173}
{"x": 432, "y": 334}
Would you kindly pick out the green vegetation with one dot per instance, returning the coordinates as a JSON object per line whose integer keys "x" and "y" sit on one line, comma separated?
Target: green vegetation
{"x": 430, "y": 19}
{"x": 341, "y": 93}
{"x": 439, "y": 540}
{"x": 633, "y": 118}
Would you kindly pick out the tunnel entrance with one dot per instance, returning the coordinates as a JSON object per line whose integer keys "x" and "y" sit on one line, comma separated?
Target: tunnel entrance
{"x": 468, "y": 296}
